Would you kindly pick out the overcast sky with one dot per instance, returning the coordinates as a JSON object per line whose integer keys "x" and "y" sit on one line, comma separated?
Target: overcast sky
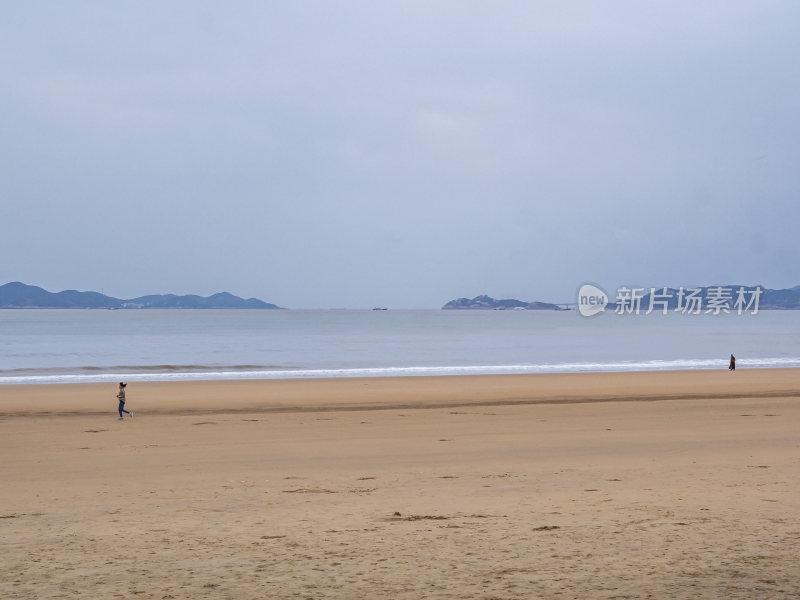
{"x": 400, "y": 154}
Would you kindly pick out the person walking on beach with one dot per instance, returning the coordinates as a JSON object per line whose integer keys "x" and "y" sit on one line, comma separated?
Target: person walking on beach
{"x": 732, "y": 366}
{"x": 121, "y": 398}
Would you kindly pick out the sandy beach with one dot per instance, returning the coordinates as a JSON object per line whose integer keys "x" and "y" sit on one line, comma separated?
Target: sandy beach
{"x": 608, "y": 485}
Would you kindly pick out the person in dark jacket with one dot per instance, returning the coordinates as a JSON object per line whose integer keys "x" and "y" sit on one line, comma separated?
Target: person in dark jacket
{"x": 732, "y": 365}
{"x": 121, "y": 398}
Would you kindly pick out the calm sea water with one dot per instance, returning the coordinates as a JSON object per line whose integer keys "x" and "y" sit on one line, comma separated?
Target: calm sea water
{"x": 55, "y": 346}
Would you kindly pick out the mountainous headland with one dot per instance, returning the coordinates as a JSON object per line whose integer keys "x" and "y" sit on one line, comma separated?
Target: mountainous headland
{"x": 783, "y": 299}
{"x": 20, "y": 295}
{"x": 769, "y": 299}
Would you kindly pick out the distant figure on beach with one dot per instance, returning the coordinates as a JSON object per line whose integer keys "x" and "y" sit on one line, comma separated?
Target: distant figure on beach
{"x": 121, "y": 398}
{"x": 732, "y": 366}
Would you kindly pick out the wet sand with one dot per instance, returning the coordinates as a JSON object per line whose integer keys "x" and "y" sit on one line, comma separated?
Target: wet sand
{"x": 636, "y": 485}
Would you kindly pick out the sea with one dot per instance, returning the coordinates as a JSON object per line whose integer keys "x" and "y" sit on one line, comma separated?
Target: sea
{"x": 40, "y": 346}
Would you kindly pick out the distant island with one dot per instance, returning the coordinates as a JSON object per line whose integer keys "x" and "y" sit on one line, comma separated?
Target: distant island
{"x": 784, "y": 299}
{"x": 488, "y": 303}
{"x": 20, "y": 295}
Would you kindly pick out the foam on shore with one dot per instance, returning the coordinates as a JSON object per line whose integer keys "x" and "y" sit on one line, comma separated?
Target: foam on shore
{"x": 144, "y": 373}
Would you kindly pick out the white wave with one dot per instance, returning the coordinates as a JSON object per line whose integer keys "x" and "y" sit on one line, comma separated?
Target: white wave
{"x": 573, "y": 367}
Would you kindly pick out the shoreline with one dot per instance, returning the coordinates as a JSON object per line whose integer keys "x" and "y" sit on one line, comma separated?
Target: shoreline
{"x": 166, "y": 374}
{"x": 392, "y": 393}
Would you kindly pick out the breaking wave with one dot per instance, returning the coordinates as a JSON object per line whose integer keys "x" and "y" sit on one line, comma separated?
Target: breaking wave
{"x": 94, "y": 374}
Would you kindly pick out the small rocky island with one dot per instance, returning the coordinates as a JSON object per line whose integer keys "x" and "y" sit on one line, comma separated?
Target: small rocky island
{"x": 488, "y": 303}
